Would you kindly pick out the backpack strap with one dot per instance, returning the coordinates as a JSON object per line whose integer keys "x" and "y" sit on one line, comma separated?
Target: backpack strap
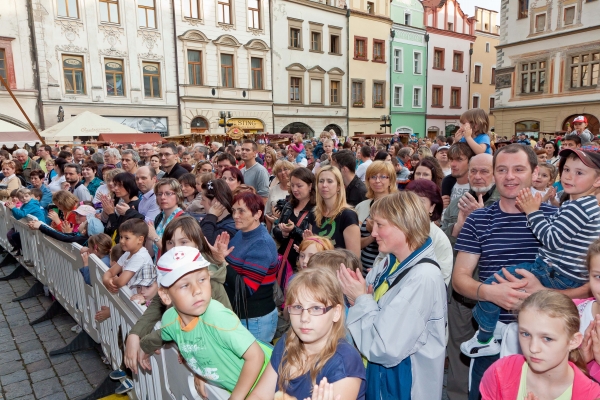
{"x": 403, "y": 273}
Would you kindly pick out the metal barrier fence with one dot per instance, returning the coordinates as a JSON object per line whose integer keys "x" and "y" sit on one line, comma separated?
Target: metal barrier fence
{"x": 56, "y": 266}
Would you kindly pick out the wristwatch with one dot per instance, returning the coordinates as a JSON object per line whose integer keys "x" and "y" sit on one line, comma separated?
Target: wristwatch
{"x": 156, "y": 239}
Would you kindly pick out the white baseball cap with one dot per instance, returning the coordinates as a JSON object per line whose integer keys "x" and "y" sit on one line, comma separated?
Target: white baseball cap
{"x": 85, "y": 210}
{"x": 177, "y": 262}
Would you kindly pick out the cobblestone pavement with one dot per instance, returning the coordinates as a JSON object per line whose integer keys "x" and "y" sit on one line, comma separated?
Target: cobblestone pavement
{"x": 26, "y": 369}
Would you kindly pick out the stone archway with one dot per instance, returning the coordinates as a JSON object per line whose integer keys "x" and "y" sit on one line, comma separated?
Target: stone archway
{"x": 593, "y": 123}
{"x": 300, "y": 127}
{"x": 338, "y": 131}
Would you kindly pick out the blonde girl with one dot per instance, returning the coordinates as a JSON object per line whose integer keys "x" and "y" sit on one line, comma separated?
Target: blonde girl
{"x": 552, "y": 365}
{"x": 270, "y": 159}
{"x": 310, "y": 246}
{"x": 474, "y": 125}
{"x": 333, "y": 218}
{"x": 314, "y": 348}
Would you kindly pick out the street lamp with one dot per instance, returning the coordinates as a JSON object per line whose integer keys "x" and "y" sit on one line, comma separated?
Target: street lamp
{"x": 224, "y": 116}
{"x": 387, "y": 121}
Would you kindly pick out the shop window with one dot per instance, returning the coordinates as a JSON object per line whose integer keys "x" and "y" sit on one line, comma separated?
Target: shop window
{"x": 74, "y": 74}
{"x": 115, "y": 81}
{"x": 151, "y": 80}
{"x": 109, "y": 11}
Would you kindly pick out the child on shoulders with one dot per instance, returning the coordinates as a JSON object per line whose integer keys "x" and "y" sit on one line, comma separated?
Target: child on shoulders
{"x": 474, "y": 125}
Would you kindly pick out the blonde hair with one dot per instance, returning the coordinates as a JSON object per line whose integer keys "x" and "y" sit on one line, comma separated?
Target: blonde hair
{"x": 340, "y": 204}
{"x": 297, "y": 136}
{"x": 22, "y": 192}
{"x": 378, "y": 167}
{"x": 327, "y": 141}
{"x": 324, "y": 135}
{"x": 558, "y": 305}
{"x": 273, "y": 155}
{"x": 280, "y": 165}
{"x": 333, "y": 258}
{"x": 65, "y": 200}
{"x": 424, "y": 151}
{"x": 406, "y": 212}
{"x": 199, "y": 165}
{"x": 551, "y": 169}
{"x": 321, "y": 284}
{"x": 111, "y": 173}
{"x": 478, "y": 118}
{"x": 9, "y": 164}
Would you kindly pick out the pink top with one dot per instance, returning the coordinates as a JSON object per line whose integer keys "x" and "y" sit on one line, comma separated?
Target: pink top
{"x": 592, "y": 367}
{"x": 501, "y": 381}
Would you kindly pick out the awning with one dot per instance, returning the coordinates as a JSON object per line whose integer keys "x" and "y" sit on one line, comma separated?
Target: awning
{"x": 85, "y": 124}
{"x": 137, "y": 138}
{"x": 20, "y": 139}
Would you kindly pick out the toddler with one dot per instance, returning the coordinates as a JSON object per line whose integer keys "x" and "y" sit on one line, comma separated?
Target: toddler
{"x": 474, "y": 125}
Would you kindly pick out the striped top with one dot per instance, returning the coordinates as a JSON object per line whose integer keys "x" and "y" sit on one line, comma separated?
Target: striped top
{"x": 567, "y": 234}
{"x": 501, "y": 240}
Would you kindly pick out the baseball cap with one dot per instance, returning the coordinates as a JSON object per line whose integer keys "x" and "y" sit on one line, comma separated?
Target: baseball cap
{"x": 445, "y": 147}
{"x": 85, "y": 210}
{"x": 177, "y": 262}
{"x": 589, "y": 155}
{"x": 579, "y": 119}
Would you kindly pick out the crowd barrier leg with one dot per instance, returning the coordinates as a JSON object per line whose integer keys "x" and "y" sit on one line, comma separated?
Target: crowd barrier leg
{"x": 34, "y": 291}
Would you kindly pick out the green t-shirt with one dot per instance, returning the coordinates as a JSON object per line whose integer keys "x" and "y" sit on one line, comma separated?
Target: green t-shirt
{"x": 523, "y": 387}
{"x": 212, "y": 344}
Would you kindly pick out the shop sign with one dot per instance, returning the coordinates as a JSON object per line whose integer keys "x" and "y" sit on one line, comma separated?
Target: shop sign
{"x": 247, "y": 123}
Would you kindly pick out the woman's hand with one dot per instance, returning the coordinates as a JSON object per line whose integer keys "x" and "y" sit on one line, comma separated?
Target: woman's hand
{"x": 132, "y": 348}
{"x": 217, "y": 209}
{"x": 122, "y": 208}
{"x": 323, "y": 391}
{"x": 220, "y": 249}
{"x": 108, "y": 207}
{"x": 352, "y": 282}
{"x": 200, "y": 386}
{"x": 307, "y": 233}
{"x": 54, "y": 217}
{"x": 65, "y": 186}
{"x": 67, "y": 227}
{"x": 152, "y": 235}
{"x": 286, "y": 228}
{"x": 34, "y": 224}
{"x": 369, "y": 225}
{"x": 270, "y": 218}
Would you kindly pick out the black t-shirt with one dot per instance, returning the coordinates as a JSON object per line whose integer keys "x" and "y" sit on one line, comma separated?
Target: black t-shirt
{"x": 356, "y": 192}
{"x": 334, "y": 229}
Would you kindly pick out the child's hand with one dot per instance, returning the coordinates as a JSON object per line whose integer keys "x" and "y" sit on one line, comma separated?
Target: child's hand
{"x": 307, "y": 233}
{"x": 586, "y": 344}
{"x": 53, "y": 217}
{"x": 138, "y": 298}
{"x": 110, "y": 286}
{"x": 144, "y": 360}
{"x": 67, "y": 227}
{"x": 550, "y": 194}
{"x": 9, "y": 204}
{"x": 467, "y": 132}
{"x": 200, "y": 386}
{"x": 596, "y": 339}
{"x": 527, "y": 202}
{"x": 216, "y": 209}
{"x": 103, "y": 314}
{"x": 85, "y": 257}
{"x": 323, "y": 391}
{"x": 34, "y": 224}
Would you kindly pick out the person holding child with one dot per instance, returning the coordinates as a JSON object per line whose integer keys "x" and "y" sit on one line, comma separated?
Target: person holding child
{"x": 474, "y": 125}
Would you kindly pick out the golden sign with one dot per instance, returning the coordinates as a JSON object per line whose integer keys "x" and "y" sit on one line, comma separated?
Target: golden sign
{"x": 235, "y": 132}
{"x": 247, "y": 123}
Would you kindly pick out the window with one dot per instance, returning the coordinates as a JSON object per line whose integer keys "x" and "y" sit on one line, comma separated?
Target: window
{"x": 3, "y": 64}
{"x": 398, "y": 95}
{"x": 146, "y": 13}
{"x": 540, "y": 22}
{"x": 316, "y": 91}
{"x": 584, "y": 69}
{"x": 199, "y": 125}
{"x": 295, "y": 38}
{"x": 370, "y": 7}
{"x": 492, "y": 102}
{"x": 417, "y": 97}
{"x": 398, "y": 60}
{"x": 486, "y": 27}
{"x": 417, "y": 63}
{"x": 451, "y": 26}
{"x": 67, "y": 8}
{"x": 151, "y": 79}
{"x": 457, "y": 61}
{"x": 254, "y": 14}
{"x": 315, "y": 41}
{"x": 437, "y": 93}
{"x": 475, "y": 101}
{"x": 360, "y": 48}
{"x": 455, "y": 97}
{"x": 533, "y": 77}
{"x": 406, "y": 18}
{"x": 378, "y": 50}
{"x": 115, "y": 83}
{"x": 378, "y": 94}
{"x": 438, "y": 58}
{"x": 493, "y": 80}
{"x": 477, "y": 74}
{"x": 191, "y": 9}
{"x": 334, "y": 44}
{"x": 487, "y": 47}
{"x": 569, "y": 15}
{"x": 257, "y": 74}
{"x": 109, "y": 11}
{"x": 227, "y": 70}
{"x": 195, "y": 67}
{"x": 334, "y": 92}
{"x": 224, "y": 11}
{"x": 74, "y": 74}
{"x": 295, "y": 90}
{"x": 523, "y": 9}
{"x": 358, "y": 99}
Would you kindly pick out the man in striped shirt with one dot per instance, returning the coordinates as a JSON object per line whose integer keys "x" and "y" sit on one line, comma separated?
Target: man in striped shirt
{"x": 499, "y": 236}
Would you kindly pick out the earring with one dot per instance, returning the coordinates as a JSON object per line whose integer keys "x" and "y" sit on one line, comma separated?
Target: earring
{"x": 431, "y": 213}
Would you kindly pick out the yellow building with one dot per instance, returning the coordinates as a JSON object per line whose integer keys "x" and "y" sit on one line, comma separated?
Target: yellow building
{"x": 369, "y": 91}
{"x": 483, "y": 61}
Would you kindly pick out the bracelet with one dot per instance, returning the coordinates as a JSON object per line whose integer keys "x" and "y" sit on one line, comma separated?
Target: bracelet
{"x": 477, "y": 294}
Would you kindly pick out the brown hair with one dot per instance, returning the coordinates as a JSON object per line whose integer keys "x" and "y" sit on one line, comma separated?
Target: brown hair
{"x": 136, "y": 226}
{"x": 332, "y": 258}
{"x": 101, "y": 244}
{"x": 116, "y": 252}
{"x": 65, "y": 200}
{"x": 478, "y": 118}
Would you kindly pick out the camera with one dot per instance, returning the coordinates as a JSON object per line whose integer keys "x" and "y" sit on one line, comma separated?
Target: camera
{"x": 286, "y": 211}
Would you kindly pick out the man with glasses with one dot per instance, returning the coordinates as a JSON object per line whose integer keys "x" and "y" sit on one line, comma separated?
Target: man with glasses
{"x": 168, "y": 161}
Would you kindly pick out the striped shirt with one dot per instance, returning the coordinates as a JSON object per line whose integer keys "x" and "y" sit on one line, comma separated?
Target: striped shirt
{"x": 567, "y": 234}
{"x": 369, "y": 253}
{"x": 501, "y": 240}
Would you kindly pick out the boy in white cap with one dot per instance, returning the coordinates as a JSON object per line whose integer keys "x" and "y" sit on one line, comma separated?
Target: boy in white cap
{"x": 210, "y": 337}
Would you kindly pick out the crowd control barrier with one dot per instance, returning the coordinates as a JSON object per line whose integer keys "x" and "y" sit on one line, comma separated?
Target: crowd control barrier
{"x": 56, "y": 265}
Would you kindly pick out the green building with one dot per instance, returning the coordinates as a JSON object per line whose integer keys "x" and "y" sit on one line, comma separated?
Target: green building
{"x": 408, "y": 68}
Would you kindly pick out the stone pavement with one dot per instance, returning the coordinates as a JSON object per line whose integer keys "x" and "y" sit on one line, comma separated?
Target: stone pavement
{"x": 26, "y": 369}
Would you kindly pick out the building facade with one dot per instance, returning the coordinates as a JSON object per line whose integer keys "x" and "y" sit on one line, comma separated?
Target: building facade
{"x": 408, "y": 68}
{"x": 451, "y": 35}
{"x": 310, "y": 67}
{"x": 483, "y": 61}
{"x": 17, "y": 65}
{"x": 548, "y": 66}
{"x": 224, "y": 64}
{"x": 368, "y": 55}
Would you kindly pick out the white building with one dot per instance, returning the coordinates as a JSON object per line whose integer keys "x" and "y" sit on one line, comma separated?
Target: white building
{"x": 450, "y": 38}
{"x": 548, "y": 66}
{"x": 115, "y": 58}
{"x": 309, "y": 66}
{"x": 17, "y": 66}
{"x": 224, "y": 59}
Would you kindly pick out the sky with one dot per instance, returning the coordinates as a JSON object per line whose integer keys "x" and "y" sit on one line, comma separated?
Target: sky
{"x": 468, "y": 6}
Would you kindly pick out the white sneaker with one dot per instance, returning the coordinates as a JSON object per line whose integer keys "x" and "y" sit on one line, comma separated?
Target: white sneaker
{"x": 76, "y": 329}
{"x": 473, "y": 348}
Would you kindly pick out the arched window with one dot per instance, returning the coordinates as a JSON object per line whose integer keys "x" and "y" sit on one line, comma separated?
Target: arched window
{"x": 336, "y": 129}
{"x": 199, "y": 125}
{"x": 299, "y": 127}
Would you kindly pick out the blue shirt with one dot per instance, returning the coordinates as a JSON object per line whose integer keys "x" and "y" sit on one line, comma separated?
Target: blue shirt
{"x": 345, "y": 363}
{"x": 500, "y": 239}
{"x": 482, "y": 138}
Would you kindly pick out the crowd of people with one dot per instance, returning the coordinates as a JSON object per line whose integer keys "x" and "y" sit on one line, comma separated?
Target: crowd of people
{"x": 324, "y": 270}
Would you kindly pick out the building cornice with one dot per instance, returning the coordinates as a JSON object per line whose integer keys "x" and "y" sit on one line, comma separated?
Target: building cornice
{"x": 401, "y": 27}
{"x": 370, "y": 16}
{"x": 487, "y": 34}
{"x": 226, "y": 100}
{"x": 110, "y": 105}
{"x": 553, "y": 36}
{"x": 444, "y": 32}
{"x": 432, "y": 116}
{"x": 320, "y": 6}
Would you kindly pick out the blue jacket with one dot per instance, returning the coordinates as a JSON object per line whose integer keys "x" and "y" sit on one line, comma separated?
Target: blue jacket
{"x": 46, "y": 196}
{"x": 33, "y": 208}
{"x": 318, "y": 151}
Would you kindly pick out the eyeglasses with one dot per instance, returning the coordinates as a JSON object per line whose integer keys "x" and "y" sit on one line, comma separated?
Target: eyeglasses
{"x": 379, "y": 177}
{"x": 165, "y": 194}
{"x": 165, "y": 155}
{"x": 314, "y": 311}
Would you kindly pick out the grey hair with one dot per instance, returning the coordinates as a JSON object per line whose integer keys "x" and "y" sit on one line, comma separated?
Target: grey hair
{"x": 78, "y": 148}
{"x": 97, "y": 158}
{"x": 113, "y": 152}
{"x": 21, "y": 151}
{"x": 134, "y": 154}
{"x": 202, "y": 149}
